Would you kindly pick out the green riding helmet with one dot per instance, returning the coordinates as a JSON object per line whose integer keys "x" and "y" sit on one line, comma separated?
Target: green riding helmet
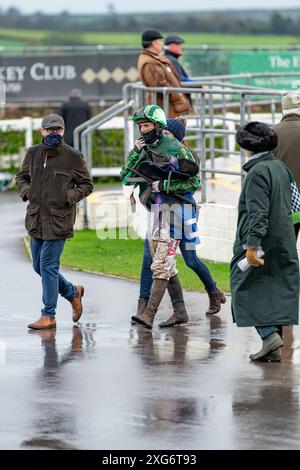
{"x": 152, "y": 113}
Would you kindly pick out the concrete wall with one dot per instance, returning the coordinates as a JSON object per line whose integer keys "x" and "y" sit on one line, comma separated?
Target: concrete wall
{"x": 217, "y": 226}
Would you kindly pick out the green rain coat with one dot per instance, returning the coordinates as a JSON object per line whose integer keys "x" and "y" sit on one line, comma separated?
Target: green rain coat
{"x": 269, "y": 294}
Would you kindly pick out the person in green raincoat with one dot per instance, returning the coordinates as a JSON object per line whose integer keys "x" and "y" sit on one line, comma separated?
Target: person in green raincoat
{"x": 266, "y": 295}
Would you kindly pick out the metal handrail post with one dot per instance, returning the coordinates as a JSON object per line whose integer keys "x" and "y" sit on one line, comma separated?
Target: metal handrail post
{"x": 93, "y": 120}
{"x": 248, "y": 106}
{"x": 126, "y": 89}
{"x": 273, "y": 110}
{"x": 135, "y": 129}
{"x": 84, "y": 203}
{"x": 95, "y": 126}
{"x": 85, "y": 135}
{"x": 202, "y": 147}
{"x": 197, "y": 135}
{"x": 211, "y": 137}
{"x": 90, "y": 148}
{"x": 203, "y": 168}
{"x": 224, "y": 125}
{"x": 141, "y": 100}
{"x": 153, "y": 97}
{"x": 166, "y": 102}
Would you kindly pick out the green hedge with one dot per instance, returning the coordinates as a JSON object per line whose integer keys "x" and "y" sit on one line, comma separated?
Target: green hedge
{"x": 11, "y": 142}
{"x": 107, "y": 146}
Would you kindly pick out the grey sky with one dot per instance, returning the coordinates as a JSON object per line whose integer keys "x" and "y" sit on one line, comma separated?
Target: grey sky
{"x": 121, "y": 6}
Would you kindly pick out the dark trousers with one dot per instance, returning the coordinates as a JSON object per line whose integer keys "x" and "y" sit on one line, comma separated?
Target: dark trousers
{"x": 45, "y": 259}
{"x": 191, "y": 260}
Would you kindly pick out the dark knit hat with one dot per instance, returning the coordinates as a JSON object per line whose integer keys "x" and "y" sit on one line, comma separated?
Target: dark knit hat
{"x": 256, "y": 137}
{"x": 177, "y": 127}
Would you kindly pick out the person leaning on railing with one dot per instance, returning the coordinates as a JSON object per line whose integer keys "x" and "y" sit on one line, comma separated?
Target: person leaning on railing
{"x": 155, "y": 70}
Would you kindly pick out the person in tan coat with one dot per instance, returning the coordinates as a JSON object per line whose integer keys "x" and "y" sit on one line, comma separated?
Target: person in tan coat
{"x": 155, "y": 70}
{"x": 288, "y": 132}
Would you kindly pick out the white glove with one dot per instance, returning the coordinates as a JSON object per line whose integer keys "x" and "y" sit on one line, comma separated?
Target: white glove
{"x": 155, "y": 187}
{"x": 139, "y": 144}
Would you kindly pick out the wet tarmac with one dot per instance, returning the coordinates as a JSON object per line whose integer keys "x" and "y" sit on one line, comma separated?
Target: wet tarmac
{"x": 108, "y": 385}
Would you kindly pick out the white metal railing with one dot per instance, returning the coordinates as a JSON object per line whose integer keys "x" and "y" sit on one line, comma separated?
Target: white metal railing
{"x": 83, "y": 140}
{"x": 209, "y": 104}
{"x": 219, "y": 106}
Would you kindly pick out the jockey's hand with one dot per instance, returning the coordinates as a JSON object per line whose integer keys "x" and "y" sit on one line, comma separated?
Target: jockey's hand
{"x": 139, "y": 144}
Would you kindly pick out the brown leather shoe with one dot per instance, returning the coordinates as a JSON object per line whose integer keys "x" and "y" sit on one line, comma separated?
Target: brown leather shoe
{"x": 43, "y": 323}
{"x": 77, "y": 304}
{"x": 46, "y": 335}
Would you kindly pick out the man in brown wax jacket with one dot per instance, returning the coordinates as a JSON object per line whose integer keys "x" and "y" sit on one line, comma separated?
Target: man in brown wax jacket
{"x": 53, "y": 178}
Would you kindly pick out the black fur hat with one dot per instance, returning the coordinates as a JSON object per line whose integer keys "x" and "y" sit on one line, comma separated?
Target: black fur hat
{"x": 256, "y": 137}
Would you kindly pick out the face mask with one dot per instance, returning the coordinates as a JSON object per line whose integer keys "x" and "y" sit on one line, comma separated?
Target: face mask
{"x": 52, "y": 140}
{"x": 152, "y": 136}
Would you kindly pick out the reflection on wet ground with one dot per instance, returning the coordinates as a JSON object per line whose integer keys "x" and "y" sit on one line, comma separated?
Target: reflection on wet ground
{"x": 105, "y": 384}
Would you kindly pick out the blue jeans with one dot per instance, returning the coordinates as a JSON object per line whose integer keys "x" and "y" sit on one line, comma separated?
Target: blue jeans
{"x": 45, "y": 259}
{"x": 191, "y": 260}
{"x": 265, "y": 331}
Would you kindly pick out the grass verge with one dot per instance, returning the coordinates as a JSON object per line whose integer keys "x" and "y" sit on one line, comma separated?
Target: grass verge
{"x": 123, "y": 258}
